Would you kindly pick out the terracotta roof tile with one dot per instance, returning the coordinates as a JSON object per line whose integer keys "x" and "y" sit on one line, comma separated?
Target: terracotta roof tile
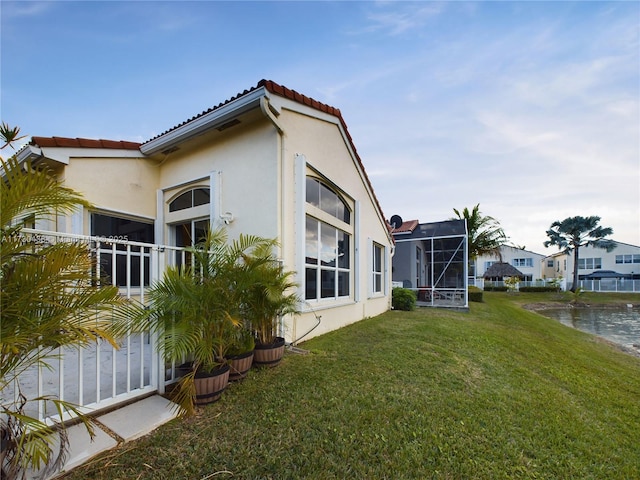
{"x": 407, "y": 227}
{"x": 83, "y": 142}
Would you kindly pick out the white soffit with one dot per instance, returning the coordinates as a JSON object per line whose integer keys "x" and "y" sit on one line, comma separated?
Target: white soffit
{"x": 213, "y": 119}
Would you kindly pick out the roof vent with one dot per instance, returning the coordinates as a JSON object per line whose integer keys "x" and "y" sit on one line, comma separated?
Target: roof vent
{"x": 230, "y": 124}
{"x": 170, "y": 150}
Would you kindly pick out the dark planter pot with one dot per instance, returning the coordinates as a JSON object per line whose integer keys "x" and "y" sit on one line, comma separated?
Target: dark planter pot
{"x": 209, "y": 386}
{"x": 240, "y": 365}
{"x": 269, "y": 355}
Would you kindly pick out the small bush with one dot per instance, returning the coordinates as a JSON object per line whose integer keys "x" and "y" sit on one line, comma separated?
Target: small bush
{"x": 403, "y": 299}
{"x": 475, "y": 294}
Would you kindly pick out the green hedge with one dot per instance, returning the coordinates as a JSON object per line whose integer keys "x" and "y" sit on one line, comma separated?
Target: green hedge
{"x": 540, "y": 289}
{"x": 492, "y": 288}
{"x": 403, "y": 299}
{"x": 475, "y": 294}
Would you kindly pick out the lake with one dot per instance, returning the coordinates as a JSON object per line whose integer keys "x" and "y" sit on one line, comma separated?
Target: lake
{"x": 621, "y": 326}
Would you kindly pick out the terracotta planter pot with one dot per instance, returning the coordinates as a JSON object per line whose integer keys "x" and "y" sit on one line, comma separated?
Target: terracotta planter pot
{"x": 240, "y": 365}
{"x": 209, "y": 386}
{"x": 269, "y": 355}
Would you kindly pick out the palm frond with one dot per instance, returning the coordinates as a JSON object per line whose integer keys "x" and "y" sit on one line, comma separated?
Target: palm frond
{"x": 35, "y": 192}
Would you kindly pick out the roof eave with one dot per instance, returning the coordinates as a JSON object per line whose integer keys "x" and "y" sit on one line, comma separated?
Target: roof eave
{"x": 29, "y": 153}
{"x": 211, "y": 120}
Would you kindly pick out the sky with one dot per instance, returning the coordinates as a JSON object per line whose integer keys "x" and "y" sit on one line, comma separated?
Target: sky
{"x": 529, "y": 109}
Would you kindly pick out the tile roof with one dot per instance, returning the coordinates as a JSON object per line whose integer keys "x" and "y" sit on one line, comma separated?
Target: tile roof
{"x": 83, "y": 143}
{"x": 447, "y": 228}
{"x": 285, "y": 92}
{"x": 406, "y": 227}
{"x": 272, "y": 87}
{"x": 269, "y": 85}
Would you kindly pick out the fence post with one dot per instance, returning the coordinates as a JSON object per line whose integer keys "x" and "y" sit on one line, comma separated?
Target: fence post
{"x": 157, "y": 367}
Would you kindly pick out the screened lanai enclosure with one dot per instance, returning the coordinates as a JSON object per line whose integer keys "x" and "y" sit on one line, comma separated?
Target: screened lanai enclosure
{"x": 432, "y": 260}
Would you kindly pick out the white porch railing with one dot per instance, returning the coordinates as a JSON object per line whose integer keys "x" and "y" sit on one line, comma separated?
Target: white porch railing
{"x": 101, "y": 376}
{"x": 610, "y": 285}
{"x": 441, "y": 297}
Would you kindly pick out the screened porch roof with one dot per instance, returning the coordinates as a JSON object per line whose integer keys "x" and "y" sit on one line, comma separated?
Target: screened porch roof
{"x": 444, "y": 229}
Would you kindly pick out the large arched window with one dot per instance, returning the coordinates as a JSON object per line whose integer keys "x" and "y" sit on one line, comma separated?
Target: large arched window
{"x": 328, "y": 244}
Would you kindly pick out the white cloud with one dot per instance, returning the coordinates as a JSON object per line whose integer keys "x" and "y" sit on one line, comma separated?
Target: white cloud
{"x": 13, "y": 10}
{"x": 402, "y": 17}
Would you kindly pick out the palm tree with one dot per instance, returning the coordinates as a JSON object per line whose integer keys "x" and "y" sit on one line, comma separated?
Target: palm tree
{"x": 574, "y": 232}
{"x": 485, "y": 236}
{"x": 269, "y": 294}
{"x": 48, "y": 301}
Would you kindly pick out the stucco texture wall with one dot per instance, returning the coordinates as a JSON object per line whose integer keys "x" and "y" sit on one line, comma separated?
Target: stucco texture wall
{"x": 125, "y": 185}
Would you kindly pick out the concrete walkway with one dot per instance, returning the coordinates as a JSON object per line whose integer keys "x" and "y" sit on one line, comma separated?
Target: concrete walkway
{"x": 122, "y": 425}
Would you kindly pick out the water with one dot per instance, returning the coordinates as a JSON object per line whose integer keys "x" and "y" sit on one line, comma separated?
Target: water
{"x": 621, "y": 326}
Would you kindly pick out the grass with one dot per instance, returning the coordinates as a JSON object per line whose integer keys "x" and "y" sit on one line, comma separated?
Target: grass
{"x": 496, "y": 393}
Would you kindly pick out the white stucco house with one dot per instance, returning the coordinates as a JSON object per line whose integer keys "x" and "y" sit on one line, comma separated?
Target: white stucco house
{"x": 598, "y": 269}
{"x": 527, "y": 262}
{"x": 270, "y": 162}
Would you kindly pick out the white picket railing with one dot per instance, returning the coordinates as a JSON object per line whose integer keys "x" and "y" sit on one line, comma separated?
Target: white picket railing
{"x": 101, "y": 376}
{"x": 610, "y": 285}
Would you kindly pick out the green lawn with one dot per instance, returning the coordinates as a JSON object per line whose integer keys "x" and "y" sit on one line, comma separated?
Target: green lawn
{"x": 496, "y": 393}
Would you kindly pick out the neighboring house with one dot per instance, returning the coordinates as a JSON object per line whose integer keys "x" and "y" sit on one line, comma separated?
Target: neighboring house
{"x": 432, "y": 259}
{"x": 269, "y": 162}
{"x": 618, "y": 269}
{"x": 529, "y": 264}
{"x": 500, "y": 271}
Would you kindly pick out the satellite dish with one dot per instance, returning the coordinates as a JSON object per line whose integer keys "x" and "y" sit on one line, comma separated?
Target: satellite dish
{"x": 396, "y": 221}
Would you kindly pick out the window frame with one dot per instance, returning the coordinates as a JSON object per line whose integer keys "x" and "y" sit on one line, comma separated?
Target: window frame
{"x": 315, "y": 272}
{"x": 139, "y": 275}
{"x": 378, "y": 270}
{"x": 522, "y": 262}
{"x": 590, "y": 263}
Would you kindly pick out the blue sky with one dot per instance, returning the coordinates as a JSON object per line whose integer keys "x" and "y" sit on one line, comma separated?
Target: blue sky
{"x": 531, "y": 109}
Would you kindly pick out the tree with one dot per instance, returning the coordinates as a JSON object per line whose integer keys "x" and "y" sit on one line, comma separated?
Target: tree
{"x": 48, "y": 300}
{"x": 485, "y": 236}
{"x": 574, "y": 232}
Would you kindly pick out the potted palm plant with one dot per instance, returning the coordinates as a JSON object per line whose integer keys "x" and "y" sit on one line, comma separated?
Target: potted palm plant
{"x": 266, "y": 299}
{"x": 240, "y": 353}
{"x": 195, "y": 308}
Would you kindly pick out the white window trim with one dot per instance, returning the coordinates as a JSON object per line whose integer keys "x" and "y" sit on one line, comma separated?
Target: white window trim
{"x": 383, "y": 269}
{"x": 302, "y": 210}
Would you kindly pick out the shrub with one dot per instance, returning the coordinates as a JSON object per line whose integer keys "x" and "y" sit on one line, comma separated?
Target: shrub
{"x": 548, "y": 288}
{"x": 475, "y": 294}
{"x": 495, "y": 288}
{"x": 403, "y": 299}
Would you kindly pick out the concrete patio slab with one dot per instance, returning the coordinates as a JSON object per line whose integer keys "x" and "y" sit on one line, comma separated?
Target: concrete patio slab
{"x": 139, "y": 418}
{"x": 81, "y": 448}
{"x": 127, "y": 423}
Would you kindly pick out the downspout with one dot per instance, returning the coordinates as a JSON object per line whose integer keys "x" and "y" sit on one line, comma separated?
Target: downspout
{"x": 266, "y": 110}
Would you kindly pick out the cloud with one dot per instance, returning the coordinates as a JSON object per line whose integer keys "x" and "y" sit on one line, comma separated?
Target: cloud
{"x": 14, "y": 10}
{"x": 401, "y": 17}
